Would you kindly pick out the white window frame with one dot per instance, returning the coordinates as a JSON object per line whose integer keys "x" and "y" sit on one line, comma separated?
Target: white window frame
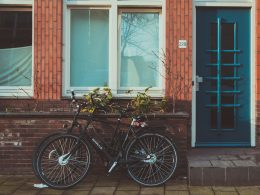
{"x": 227, "y": 3}
{"x": 20, "y": 91}
{"x": 114, "y": 39}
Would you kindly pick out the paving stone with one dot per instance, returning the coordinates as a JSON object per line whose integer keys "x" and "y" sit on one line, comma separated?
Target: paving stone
{"x": 222, "y": 164}
{"x": 200, "y": 163}
{"x": 8, "y": 189}
{"x": 201, "y": 191}
{"x": 223, "y": 189}
{"x": 213, "y": 176}
{"x": 226, "y": 193}
{"x": 177, "y": 193}
{"x": 50, "y": 191}
{"x": 128, "y": 186}
{"x": 127, "y": 193}
{"x": 176, "y": 181}
{"x": 152, "y": 191}
{"x": 248, "y": 190}
{"x": 82, "y": 186}
{"x": 14, "y": 181}
{"x": 3, "y": 179}
{"x": 25, "y": 192}
{"x": 27, "y": 186}
{"x": 73, "y": 192}
{"x": 244, "y": 163}
{"x": 177, "y": 187}
{"x": 102, "y": 190}
{"x": 107, "y": 183}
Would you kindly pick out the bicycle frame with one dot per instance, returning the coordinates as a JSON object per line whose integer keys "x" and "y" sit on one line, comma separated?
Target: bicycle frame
{"x": 100, "y": 146}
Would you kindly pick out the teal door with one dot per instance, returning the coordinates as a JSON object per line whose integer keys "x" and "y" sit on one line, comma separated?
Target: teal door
{"x": 223, "y": 77}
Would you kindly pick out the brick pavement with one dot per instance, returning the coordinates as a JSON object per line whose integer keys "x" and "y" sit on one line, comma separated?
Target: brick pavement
{"x": 117, "y": 185}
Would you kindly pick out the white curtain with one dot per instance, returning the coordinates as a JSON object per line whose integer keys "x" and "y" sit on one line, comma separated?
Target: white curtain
{"x": 16, "y": 66}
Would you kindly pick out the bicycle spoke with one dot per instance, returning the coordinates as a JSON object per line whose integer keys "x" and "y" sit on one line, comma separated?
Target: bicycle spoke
{"x": 60, "y": 170}
{"x": 157, "y": 162}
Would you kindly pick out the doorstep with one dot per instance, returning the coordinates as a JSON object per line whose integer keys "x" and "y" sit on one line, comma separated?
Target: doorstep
{"x": 224, "y": 167}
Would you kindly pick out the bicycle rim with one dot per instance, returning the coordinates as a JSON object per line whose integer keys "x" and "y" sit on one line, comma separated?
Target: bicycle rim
{"x": 56, "y": 168}
{"x": 38, "y": 147}
{"x": 152, "y": 159}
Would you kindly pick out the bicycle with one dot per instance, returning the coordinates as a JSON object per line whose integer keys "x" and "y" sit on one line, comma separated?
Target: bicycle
{"x": 64, "y": 159}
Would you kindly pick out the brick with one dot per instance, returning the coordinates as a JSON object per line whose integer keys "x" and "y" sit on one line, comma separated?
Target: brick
{"x": 195, "y": 176}
{"x": 254, "y": 175}
{"x": 213, "y": 176}
{"x": 237, "y": 176}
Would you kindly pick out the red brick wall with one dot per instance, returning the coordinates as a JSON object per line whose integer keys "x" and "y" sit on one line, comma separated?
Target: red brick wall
{"x": 47, "y": 49}
{"x": 179, "y": 27}
{"x": 20, "y": 136}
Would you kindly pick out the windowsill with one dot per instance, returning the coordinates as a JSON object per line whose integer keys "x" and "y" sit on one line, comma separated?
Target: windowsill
{"x": 16, "y": 92}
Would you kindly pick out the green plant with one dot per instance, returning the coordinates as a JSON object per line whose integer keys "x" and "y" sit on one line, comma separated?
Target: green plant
{"x": 102, "y": 99}
{"x": 142, "y": 102}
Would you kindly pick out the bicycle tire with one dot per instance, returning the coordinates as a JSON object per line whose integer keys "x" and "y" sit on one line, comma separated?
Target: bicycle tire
{"x": 60, "y": 173}
{"x": 37, "y": 148}
{"x": 151, "y": 159}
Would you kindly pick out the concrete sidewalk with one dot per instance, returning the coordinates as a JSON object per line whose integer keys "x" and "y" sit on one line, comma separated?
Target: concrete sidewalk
{"x": 117, "y": 185}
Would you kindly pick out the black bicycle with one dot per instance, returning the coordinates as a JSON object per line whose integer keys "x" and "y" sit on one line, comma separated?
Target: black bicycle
{"x": 64, "y": 158}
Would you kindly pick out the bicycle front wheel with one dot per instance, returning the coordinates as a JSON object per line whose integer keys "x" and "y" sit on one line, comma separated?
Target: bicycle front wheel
{"x": 151, "y": 159}
{"x": 57, "y": 167}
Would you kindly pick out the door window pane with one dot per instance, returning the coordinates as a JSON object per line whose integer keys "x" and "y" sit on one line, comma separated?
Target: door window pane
{"x": 139, "y": 49}
{"x": 15, "y": 48}
{"x": 89, "y": 48}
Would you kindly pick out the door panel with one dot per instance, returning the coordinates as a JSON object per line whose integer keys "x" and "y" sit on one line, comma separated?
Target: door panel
{"x": 223, "y": 77}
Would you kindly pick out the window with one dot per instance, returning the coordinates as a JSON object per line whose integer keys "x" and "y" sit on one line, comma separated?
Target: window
{"x": 139, "y": 49}
{"x": 15, "y": 51}
{"x": 115, "y": 44}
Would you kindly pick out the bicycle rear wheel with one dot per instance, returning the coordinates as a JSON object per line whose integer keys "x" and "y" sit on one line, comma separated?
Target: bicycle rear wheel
{"x": 151, "y": 159}
{"x": 58, "y": 169}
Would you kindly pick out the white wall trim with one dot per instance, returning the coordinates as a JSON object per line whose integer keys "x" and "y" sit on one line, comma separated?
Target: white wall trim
{"x": 227, "y": 3}
{"x": 253, "y": 75}
{"x": 17, "y": 2}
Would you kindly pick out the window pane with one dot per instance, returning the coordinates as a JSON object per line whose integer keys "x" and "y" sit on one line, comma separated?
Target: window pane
{"x": 139, "y": 49}
{"x": 15, "y": 48}
{"x": 89, "y": 48}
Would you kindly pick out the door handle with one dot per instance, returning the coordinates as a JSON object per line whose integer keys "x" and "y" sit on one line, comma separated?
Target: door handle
{"x": 198, "y": 81}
